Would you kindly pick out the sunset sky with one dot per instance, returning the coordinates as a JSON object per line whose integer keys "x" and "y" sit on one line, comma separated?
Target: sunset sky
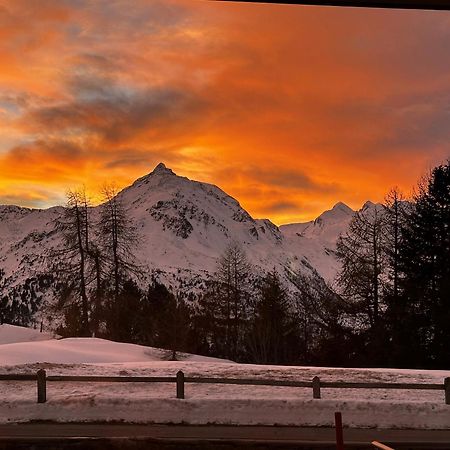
{"x": 290, "y": 109}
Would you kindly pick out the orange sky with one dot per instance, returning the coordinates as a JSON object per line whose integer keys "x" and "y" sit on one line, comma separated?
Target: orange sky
{"x": 287, "y": 108}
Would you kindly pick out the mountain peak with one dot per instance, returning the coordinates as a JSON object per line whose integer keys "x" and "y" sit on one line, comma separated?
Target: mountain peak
{"x": 369, "y": 204}
{"x": 339, "y": 211}
{"x": 340, "y": 206}
{"x": 161, "y": 169}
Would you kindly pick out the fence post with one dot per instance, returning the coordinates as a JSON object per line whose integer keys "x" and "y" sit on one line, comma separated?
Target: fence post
{"x": 41, "y": 378}
{"x": 180, "y": 384}
{"x": 316, "y": 387}
{"x": 339, "y": 431}
{"x": 447, "y": 390}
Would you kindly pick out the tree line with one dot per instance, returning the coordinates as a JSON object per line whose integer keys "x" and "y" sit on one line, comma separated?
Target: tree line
{"x": 93, "y": 264}
{"x": 395, "y": 277}
{"x": 389, "y": 306}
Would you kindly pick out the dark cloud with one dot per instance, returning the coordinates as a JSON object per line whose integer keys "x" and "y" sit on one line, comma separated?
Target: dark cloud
{"x": 54, "y": 149}
{"x": 280, "y": 178}
{"x": 121, "y": 19}
{"x": 116, "y": 112}
{"x": 15, "y": 101}
{"x": 98, "y": 61}
{"x": 281, "y": 207}
{"x": 420, "y": 122}
{"x": 368, "y": 129}
{"x": 128, "y": 159}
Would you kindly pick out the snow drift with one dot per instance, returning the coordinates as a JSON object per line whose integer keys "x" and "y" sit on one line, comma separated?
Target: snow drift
{"x": 10, "y": 334}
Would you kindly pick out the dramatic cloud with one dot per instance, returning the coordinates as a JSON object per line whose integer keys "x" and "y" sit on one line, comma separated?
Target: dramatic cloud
{"x": 288, "y": 108}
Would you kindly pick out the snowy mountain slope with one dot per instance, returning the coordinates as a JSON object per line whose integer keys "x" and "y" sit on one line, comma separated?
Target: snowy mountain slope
{"x": 183, "y": 226}
{"x": 187, "y": 224}
{"x": 316, "y": 240}
{"x": 26, "y": 238}
{"x": 26, "y": 235}
{"x": 326, "y": 228}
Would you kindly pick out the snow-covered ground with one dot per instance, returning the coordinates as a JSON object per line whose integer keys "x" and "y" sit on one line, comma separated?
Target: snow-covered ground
{"x": 20, "y": 345}
{"x": 11, "y": 334}
{"x": 205, "y": 403}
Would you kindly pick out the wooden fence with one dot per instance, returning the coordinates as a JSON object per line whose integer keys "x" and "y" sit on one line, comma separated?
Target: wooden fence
{"x": 180, "y": 380}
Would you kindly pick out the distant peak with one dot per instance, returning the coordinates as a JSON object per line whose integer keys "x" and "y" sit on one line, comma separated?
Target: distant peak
{"x": 162, "y": 169}
{"x": 159, "y": 171}
{"x": 340, "y": 206}
{"x": 368, "y": 205}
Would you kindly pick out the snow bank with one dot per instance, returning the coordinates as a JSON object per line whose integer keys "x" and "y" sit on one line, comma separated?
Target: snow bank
{"x": 84, "y": 350}
{"x": 231, "y": 411}
{"x": 11, "y": 334}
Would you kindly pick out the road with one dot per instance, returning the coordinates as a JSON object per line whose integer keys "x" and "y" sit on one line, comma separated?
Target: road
{"x": 51, "y": 436}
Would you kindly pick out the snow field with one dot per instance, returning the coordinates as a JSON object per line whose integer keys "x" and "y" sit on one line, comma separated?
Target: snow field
{"x": 204, "y": 403}
{"x": 225, "y": 404}
{"x": 84, "y": 350}
{"x": 11, "y": 334}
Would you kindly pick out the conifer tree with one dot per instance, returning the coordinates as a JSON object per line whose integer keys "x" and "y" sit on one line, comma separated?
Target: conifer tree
{"x": 361, "y": 253}
{"x": 117, "y": 239}
{"x": 71, "y": 262}
{"x": 232, "y": 289}
{"x": 362, "y": 280}
{"x": 123, "y": 317}
{"x": 165, "y": 319}
{"x": 425, "y": 275}
{"x": 325, "y": 320}
{"x": 272, "y": 325}
{"x": 395, "y": 212}
{"x": 208, "y": 330}
{"x": 221, "y": 318}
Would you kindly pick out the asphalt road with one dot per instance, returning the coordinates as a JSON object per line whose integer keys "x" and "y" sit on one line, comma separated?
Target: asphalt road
{"x": 50, "y": 435}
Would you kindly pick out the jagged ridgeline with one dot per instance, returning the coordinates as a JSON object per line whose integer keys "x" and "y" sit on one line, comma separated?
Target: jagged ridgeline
{"x": 182, "y": 227}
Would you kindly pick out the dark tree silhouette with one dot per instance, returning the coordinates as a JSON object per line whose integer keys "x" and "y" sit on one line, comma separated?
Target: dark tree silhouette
{"x": 70, "y": 262}
{"x": 273, "y": 326}
{"x": 423, "y": 329}
{"x": 117, "y": 238}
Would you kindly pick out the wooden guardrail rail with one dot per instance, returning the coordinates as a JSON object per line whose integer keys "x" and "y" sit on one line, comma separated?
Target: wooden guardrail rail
{"x": 180, "y": 380}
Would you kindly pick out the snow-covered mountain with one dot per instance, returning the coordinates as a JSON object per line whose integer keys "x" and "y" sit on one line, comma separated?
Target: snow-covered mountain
{"x": 183, "y": 226}
{"x": 316, "y": 240}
